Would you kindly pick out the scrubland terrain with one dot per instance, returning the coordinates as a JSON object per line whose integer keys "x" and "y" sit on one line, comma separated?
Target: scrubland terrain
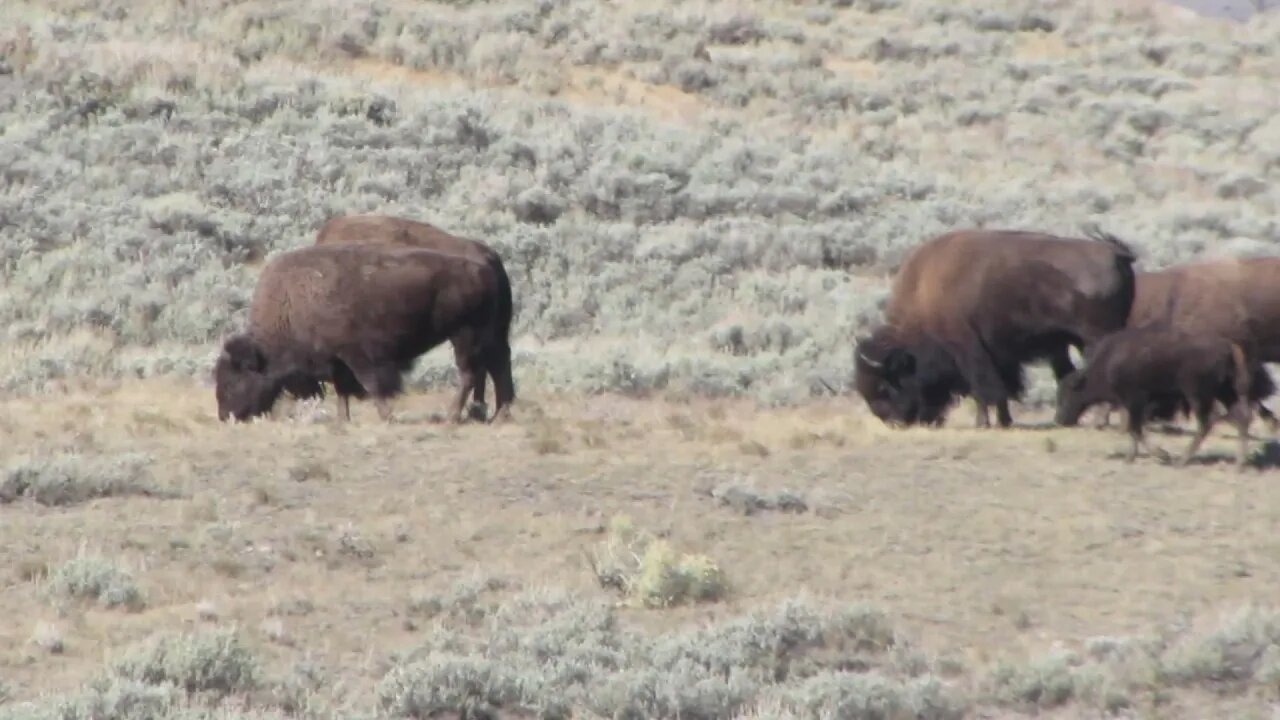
{"x": 699, "y": 205}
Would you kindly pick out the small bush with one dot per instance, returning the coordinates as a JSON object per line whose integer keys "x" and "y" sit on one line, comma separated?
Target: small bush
{"x": 651, "y": 573}
{"x": 214, "y": 661}
{"x": 73, "y": 478}
{"x": 1240, "y": 648}
{"x": 748, "y": 500}
{"x": 459, "y": 684}
{"x": 96, "y": 579}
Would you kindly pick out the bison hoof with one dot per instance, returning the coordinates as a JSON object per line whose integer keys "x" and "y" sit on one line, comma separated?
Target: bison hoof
{"x": 478, "y": 412}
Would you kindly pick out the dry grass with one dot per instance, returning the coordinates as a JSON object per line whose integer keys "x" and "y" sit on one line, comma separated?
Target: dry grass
{"x": 981, "y": 544}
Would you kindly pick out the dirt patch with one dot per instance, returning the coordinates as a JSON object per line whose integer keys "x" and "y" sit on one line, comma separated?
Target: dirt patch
{"x": 610, "y": 88}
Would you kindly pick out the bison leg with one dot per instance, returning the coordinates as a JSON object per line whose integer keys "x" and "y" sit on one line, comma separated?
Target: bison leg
{"x": 345, "y": 385}
{"x": 988, "y": 388}
{"x": 1002, "y": 413}
{"x": 477, "y": 411}
{"x": 1242, "y": 414}
{"x": 1204, "y": 421}
{"x": 379, "y": 380}
{"x": 504, "y": 389}
{"x": 981, "y": 418}
{"x": 470, "y": 371}
{"x": 477, "y": 395}
{"x": 1135, "y": 435}
{"x": 1135, "y": 418}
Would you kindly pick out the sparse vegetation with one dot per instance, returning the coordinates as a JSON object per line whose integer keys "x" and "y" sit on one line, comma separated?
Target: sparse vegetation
{"x": 651, "y": 573}
{"x": 89, "y": 576}
{"x": 691, "y": 198}
{"x": 68, "y": 479}
{"x": 699, "y": 205}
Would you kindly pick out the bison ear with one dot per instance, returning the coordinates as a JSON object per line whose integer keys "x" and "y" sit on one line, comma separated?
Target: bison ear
{"x": 245, "y": 354}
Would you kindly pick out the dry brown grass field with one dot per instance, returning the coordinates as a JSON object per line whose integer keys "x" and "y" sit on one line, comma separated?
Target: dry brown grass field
{"x": 319, "y": 539}
{"x": 699, "y": 204}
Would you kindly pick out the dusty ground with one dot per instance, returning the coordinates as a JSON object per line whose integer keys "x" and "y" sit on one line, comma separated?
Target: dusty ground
{"x": 984, "y": 544}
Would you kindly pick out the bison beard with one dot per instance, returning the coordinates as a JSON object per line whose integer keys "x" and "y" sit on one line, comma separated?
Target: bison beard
{"x": 359, "y": 316}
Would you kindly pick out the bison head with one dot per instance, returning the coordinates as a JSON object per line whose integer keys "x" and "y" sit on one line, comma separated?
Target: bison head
{"x": 1071, "y": 401}
{"x": 243, "y": 385}
{"x": 906, "y": 383}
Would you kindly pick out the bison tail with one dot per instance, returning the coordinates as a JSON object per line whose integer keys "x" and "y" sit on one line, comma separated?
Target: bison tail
{"x": 1096, "y": 233}
{"x": 507, "y": 308}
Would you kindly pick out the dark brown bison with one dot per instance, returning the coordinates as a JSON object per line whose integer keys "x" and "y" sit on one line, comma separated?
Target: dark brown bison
{"x": 969, "y": 308}
{"x": 358, "y": 316}
{"x": 1164, "y": 365}
{"x": 1238, "y": 299}
{"x": 391, "y": 230}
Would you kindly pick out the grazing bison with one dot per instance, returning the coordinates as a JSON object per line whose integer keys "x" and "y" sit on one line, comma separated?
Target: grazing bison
{"x": 1238, "y": 299}
{"x": 358, "y": 316}
{"x": 1159, "y": 364}
{"x": 968, "y": 308}
{"x": 390, "y": 230}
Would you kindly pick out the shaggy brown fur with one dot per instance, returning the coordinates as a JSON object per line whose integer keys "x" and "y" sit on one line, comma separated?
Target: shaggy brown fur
{"x": 968, "y": 308}
{"x": 1158, "y": 363}
{"x": 391, "y": 230}
{"x": 359, "y": 316}
{"x": 1238, "y": 299}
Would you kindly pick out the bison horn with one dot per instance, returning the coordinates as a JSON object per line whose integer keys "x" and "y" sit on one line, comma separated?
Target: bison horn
{"x": 869, "y": 361}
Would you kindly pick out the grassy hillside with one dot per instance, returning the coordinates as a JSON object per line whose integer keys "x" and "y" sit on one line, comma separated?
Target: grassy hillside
{"x": 691, "y": 197}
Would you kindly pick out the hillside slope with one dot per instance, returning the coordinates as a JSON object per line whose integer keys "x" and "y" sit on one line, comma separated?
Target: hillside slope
{"x": 699, "y": 197}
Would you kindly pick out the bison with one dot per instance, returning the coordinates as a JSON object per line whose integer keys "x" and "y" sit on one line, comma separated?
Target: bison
{"x": 398, "y": 231}
{"x": 968, "y": 308}
{"x": 1239, "y": 299}
{"x": 1161, "y": 364}
{"x": 359, "y": 316}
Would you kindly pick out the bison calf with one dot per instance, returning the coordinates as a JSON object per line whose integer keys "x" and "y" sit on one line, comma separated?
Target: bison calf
{"x": 1163, "y": 369}
{"x": 359, "y": 316}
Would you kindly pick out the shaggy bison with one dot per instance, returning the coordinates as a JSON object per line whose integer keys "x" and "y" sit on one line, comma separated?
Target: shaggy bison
{"x": 1238, "y": 299}
{"x": 358, "y": 316}
{"x": 397, "y": 231}
{"x": 968, "y": 308}
{"x": 1158, "y": 364}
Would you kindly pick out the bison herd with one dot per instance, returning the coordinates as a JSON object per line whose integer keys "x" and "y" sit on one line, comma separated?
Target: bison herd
{"x": 967, "y": 311}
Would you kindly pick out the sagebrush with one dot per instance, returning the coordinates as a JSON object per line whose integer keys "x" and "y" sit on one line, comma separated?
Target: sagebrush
{"x": 693, "y": 197}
